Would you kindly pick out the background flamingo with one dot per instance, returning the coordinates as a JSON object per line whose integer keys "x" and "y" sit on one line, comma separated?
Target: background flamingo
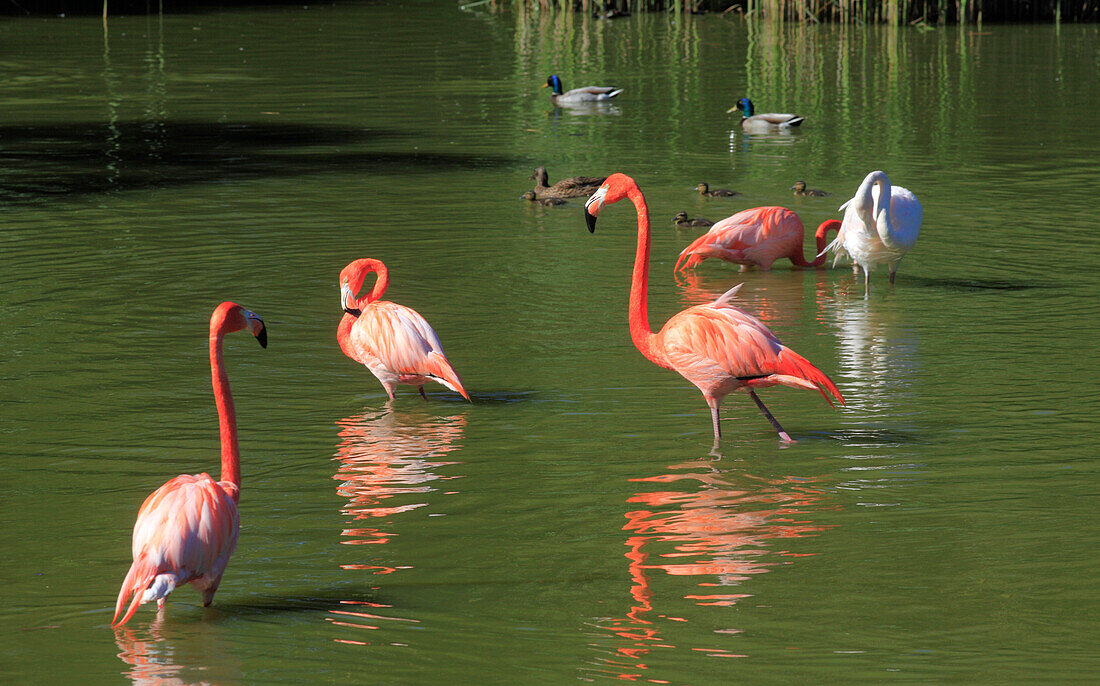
{"x": 394, "y": 342}
{"x": 715, "y": 346}
{"x": 758, "y": 236}
{"x": 881, "y": 224}
{"x": 187, "y": 529}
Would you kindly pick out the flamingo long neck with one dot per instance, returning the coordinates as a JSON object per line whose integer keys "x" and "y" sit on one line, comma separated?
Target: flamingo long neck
{"x": 381, "y": 283}
{"x": 227, "y": 415}
{"x": 821, "y": 237}
{"x": 640, "y": 332}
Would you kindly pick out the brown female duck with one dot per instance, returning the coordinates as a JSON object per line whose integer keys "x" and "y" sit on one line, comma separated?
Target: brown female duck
{"x": 572, "y": 187}
{"x": 549, "y": 202}
{"x": 708, "y": 192}
{"x": 682, "y": 221}
{"x": 799, "y": 188}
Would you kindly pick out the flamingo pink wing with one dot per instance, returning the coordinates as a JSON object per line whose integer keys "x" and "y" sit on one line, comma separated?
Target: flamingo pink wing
{"x": 759, "y": 235}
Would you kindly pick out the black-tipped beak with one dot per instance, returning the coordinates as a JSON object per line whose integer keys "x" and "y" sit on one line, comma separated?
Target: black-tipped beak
{"x": 353, "y": 312}
{"x": 591, "y": 220}
{"x": 262, "y": 336}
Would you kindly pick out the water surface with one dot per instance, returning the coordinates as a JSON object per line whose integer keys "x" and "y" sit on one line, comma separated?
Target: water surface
{"x": 572, "y": 523}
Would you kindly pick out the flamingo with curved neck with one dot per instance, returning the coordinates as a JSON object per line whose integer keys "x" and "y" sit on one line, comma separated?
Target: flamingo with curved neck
{"x": 394, "y": 342}
{"x": 715, "y": 346}
{"x": 881, "y": 224}
{"x": 187, "y": 529}
{"x": 756, "y": 237}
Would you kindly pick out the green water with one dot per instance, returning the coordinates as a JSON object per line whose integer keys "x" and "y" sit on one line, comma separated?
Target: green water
{"x": 572, "y": 522}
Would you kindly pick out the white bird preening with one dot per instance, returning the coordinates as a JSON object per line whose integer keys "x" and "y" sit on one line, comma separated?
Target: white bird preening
{"x": 881, "y": 223}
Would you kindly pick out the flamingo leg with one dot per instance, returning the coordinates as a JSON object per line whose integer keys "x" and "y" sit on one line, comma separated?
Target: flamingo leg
{"x": 422, "y": 394}
{"x": 714, "y": 419}
{"x": 892, "y": 273}
{"x": 783, "y": 435}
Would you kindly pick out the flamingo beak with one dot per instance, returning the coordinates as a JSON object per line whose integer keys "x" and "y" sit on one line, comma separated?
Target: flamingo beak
{"x": 592, "y": 208}
{"x": 346, "y": 301}
{"x": 256, "y": 326}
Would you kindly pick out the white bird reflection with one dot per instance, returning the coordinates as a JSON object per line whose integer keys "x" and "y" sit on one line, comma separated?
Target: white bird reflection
{"x": 387, "y": 467}
{"x": 876, "y": 353}
{"x": 719, "y": 527}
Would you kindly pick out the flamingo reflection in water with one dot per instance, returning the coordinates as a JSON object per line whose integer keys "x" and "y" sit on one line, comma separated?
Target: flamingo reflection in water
{"x": 155, "y": 660}
{"x": 718, "y": 526}
{"x": 387, "y": 464}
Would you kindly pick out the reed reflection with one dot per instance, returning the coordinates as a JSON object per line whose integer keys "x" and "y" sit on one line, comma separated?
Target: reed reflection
{"x": 717, "y": 526}
{"x": 387, "y": 466}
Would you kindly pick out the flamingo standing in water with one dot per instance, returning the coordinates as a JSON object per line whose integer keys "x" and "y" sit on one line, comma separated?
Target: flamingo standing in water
{"x": 715, "y": 346}
{"x": 758, "y": 236}
{"x": 881, "y": 224}
{"x": 187, "y": 529}
{"x": 394, "y": 342}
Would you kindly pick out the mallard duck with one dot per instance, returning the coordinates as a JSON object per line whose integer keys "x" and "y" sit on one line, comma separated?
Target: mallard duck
{"x": 707, "y": 192}
{"x": 764, "y": 121}
{"x": 549, "y": 202}
{"x": 573, "y": 187}
{"x": 682, "y": 221}
{"x": 799, "y": 188}
{"x": 579, "y": 96}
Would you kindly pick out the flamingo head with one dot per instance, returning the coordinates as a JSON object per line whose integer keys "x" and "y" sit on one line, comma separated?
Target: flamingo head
{"x": 229, "y": 317}
{"x": 744, "y": 105}
{"x": 555, "y": 83}
{"x": 614, "y": 188}
{"x": 351, "y": 282}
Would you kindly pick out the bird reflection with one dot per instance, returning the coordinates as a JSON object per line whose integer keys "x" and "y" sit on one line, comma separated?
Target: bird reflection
{"x": 776, "y": 299}
{"x": 876, "y": 353}
{"x": 153, "y": 660}
{"x": 387, "y": 464}
{"x": 718, "y": 526}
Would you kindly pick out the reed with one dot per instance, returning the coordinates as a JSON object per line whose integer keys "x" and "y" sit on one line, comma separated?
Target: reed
{"x": 894, "y": 12}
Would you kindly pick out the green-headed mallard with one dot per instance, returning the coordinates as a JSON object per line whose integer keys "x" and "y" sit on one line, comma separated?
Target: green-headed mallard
{"x": 573, "y": 187}
{"x": 764, "y": 121}
{"x": 579, "y": 96}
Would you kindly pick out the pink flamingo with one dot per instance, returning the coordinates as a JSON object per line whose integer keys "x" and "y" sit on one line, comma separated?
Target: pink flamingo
{"x": 758, "y": 236}
{"x": 394, "y": 342}
{"x": 187, "y": 529}
{"x": 715, "y": 346}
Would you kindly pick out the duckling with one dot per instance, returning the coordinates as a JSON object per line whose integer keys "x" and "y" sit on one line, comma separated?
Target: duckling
{"x": 579, "y": 96}
{"x": 549, "y": 202}
{"x": 682, "y": 222}
{"x": 763, "y": 122}
{"x": 799, "y": 188}
{"x": 572, "y": 187}
{"x": 707, "y": 192}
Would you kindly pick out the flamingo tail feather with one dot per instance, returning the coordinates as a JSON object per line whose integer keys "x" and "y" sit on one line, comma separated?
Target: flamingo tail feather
{"x": 441, "y": 370}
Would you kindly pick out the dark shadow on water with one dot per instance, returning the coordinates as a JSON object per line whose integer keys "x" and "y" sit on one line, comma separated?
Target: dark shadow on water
{"x": 316, "y": 600}
{"x": 973, "y": 285}
{"x": 38, "y": 162}
{"x": 502, "y": 397}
